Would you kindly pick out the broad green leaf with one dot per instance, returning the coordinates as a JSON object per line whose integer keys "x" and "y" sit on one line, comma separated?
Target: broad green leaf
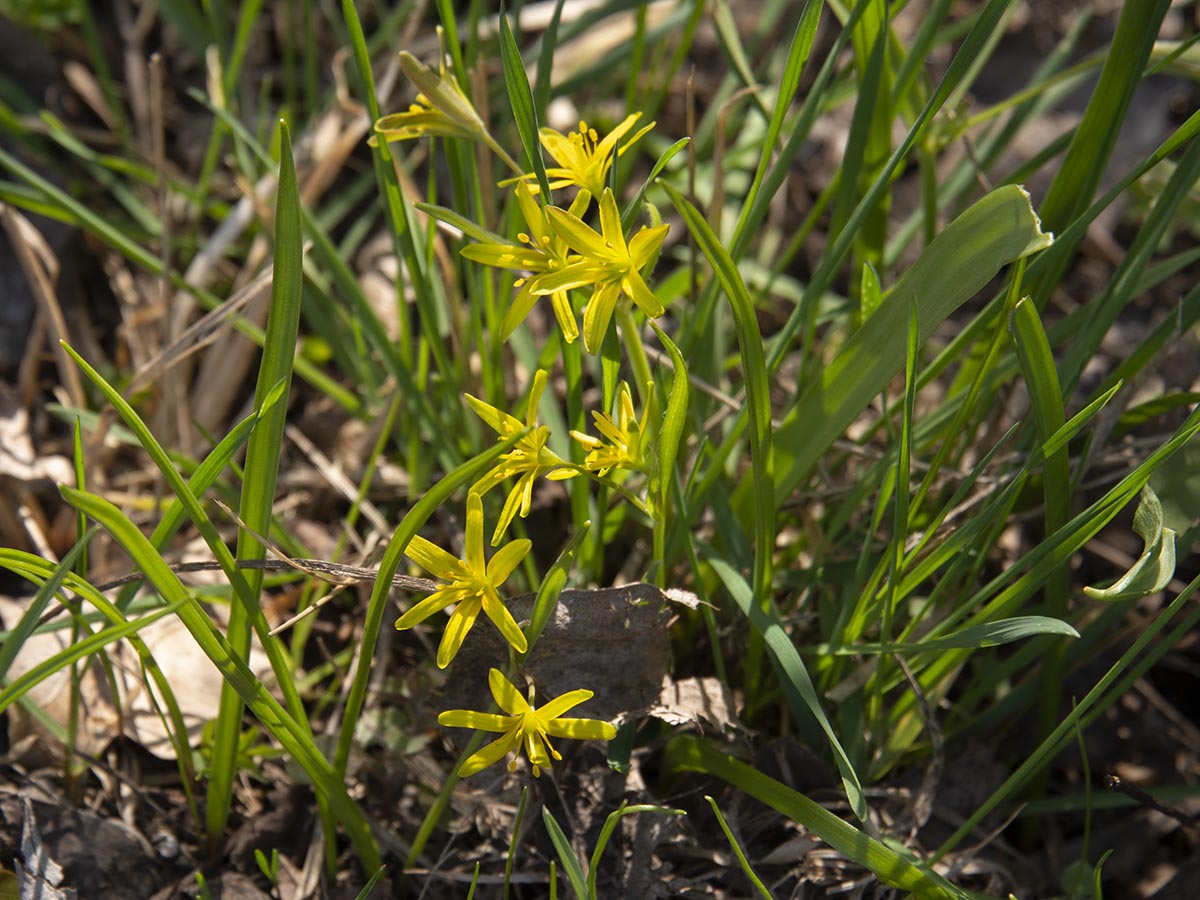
{"x": 998, "y": 229}
{"x": 1155, "y": 568}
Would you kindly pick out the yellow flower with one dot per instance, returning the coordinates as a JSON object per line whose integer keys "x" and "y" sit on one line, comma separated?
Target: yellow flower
{"x": 627, "y": 441}
{"x": 524, "y": 725}
{"x": 540, "y": 250}
{"x": 606, "y": 262}
{"x": 441, "y": 109}
{"x": 472, "y": 585}
{"x": 528, "y": 458}
{"x": 584, "y": 160}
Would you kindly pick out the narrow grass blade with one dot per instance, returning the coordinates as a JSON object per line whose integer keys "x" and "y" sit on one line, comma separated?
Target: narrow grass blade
{"x": 737, "y": 850}
{"x": 81, "y": 649}
{"x": 261, "y": 470}
{"x": 552, "y": 585}
{"x": 610, "y": 825}
{"x": 292, "y": 735}
{"x": 1095, "y": 136}
{"x": 20, "y": 632}
{"x": 758, "y": 398}
{"x": 566, "y": 856}
{"x": 693, "y": 754}
{"x": 797, "y": 684}
{"x": 521, "y": 100}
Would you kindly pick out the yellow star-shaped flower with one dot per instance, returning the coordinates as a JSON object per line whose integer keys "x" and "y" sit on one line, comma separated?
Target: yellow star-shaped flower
{"x": 540, "y": 250}
{"x": 528, "y": 458}
{"x": 583, "y": 159}
{"x": 607, "y": 263}
{"x": 626, "y": 442}
{"x": 472, "y": 585}
{"x": 525, "y": 726}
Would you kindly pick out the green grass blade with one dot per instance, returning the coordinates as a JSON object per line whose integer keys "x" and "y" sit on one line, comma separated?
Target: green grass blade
{"x": 292, "y": 735}
{"x": 521, "y": 100}
{"x": 566, "y": 856}
{"x": 737, "y": 850}
{"x": 261, "y": 471}
{"x": 1079, "y": 173}
{"x": 85, "y": 647}
{"x": 758, "y": 398}
{"x": 692, "y": 754}
{"x": 798, "y": 686}
{"x": 552, "y": 585}
{"x": 610, "y": 825}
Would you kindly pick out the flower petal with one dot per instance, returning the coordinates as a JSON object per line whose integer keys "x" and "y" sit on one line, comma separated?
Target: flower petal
{"x": 506, "y": 559}
{"x": 581, "y": 729}
{"x": 492, "y": 753}
{"x": 506, "y": 695}
{"x": 636, "y": 288}
{"x": 605, "y": 147}
{"x": 565, "y": 316}
{"x": 498, "y": 420}
{"x": 562, "y": 703}
{"x": 598, "y": 314}
{"x": 576, "y": 274}
{"x": 504, "y": 621}
{"x": 438, "y": 600}
{"x": 480, "y": 721}
{"x": 473, "y": 556}
{"x": 461, "y": 621}
{"x": 505, "y": 256}
{"x": 644, "y": 244}
{"x": 610, "y": 220}
{"x": 576, "y": 233}
{"x": 432, "y": 558}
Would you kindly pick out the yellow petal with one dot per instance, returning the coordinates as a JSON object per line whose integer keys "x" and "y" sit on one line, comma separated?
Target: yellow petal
{"x": 507, "y": 697}
{"x": 432, "y": 558}
{"x": 581, "y": 729}
{"x": 504, "y": 622}
{"x": 562, "y": 703}
{"x": 461, "y": 621}
{"x": 492, "y": 753}
{"x": 466, "y": 718}
{"x": 598, "y": 314}
{"x": 498, "y": 420}
{"x": 576, "y": 233}
{"x": 636, "y": 289}
{"x": 438, "y": 600}
{"x": 474, "y": 537}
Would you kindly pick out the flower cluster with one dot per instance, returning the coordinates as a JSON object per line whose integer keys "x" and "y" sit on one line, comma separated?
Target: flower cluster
{"x": 584, "y": 248}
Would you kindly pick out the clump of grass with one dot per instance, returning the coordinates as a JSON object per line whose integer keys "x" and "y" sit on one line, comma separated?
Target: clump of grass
{"x": 829, "y": 447}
